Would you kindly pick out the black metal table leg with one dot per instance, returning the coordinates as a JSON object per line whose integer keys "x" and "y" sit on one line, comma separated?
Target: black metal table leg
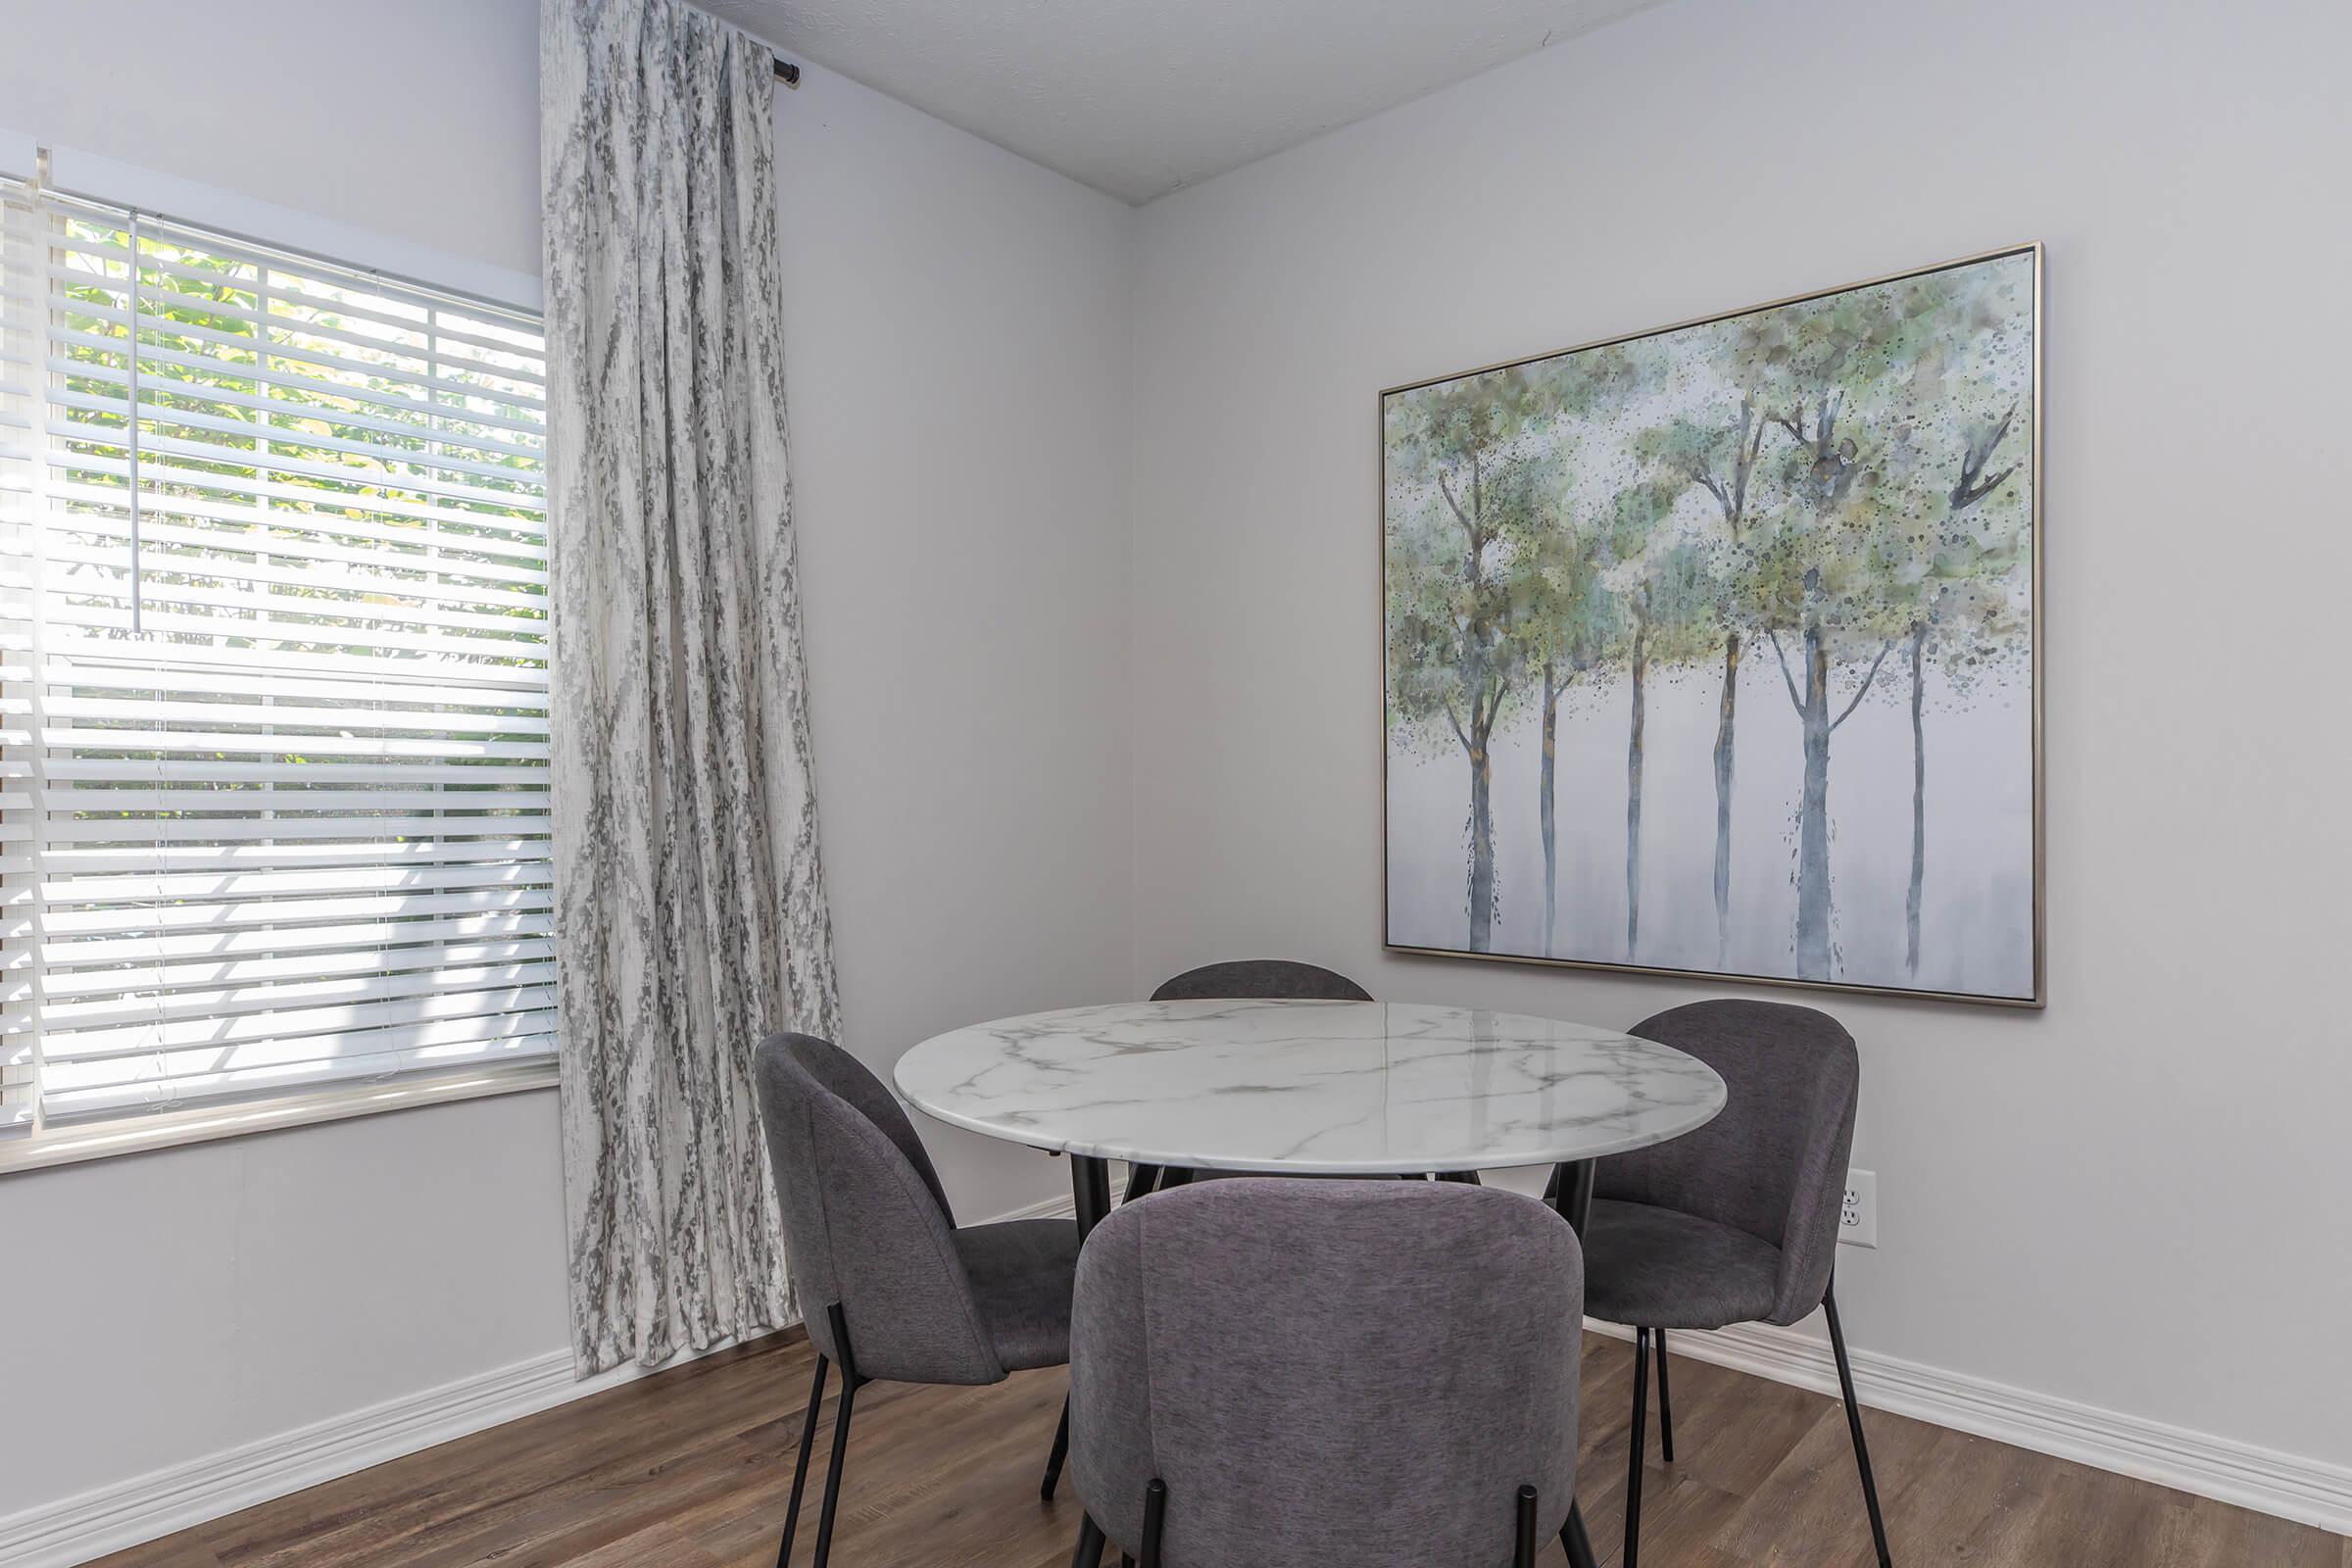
{"x": 1570, "y": 1190}
{"x": 1090, "y": 1190}
{"x": 1090, "y": 1186}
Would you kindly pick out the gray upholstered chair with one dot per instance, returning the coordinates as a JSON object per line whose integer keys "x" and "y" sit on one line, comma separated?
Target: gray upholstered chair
{"x": 1286, "y": 1373}
{"x": 1738, "y": 1221}
{"x": 1261, "y": 979}
{"x": 889, "y": 1286}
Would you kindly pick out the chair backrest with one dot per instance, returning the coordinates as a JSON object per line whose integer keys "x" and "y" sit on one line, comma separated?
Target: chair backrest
{"x": 866, "y": 1224}
{"x": 1261, "y": 979}
{"x": 1344, "y": 1372}
{"x": 1773, "y": 1163}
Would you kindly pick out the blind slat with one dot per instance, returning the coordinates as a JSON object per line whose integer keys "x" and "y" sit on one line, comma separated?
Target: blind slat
{"x": 195, "y": 1001}
{"x": 226, "y": 707}
{"x": 356, "y": 491}
{"x": 280, "y": 1034}
{"x": 495, "y": 609}
{"x": 369, "y": 962}
{"x": 370, "y": 934}
{"x": 281, "y": 534}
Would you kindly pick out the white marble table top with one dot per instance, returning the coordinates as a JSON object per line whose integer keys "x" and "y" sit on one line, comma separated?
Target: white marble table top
{"x": 1313, "y": 1087}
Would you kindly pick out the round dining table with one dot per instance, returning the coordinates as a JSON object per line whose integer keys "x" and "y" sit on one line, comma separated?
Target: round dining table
{"x": 1312, "y": 1089}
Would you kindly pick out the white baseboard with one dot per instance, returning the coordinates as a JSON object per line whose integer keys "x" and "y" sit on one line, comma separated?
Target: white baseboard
{"x": 2306, "y": 1491}
{"x": 144, "y": 1507}
{"x": 1062, "y": 1207}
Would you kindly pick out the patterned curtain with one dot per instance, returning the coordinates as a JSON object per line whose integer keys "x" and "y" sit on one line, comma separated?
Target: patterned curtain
{"x": 690, "y": 905}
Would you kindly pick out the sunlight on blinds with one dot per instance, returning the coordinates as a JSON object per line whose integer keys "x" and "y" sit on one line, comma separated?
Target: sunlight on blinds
{"x": 272, "y": 597}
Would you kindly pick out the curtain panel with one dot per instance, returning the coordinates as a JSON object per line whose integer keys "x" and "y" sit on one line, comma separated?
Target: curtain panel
{"x": 691, "y": 918}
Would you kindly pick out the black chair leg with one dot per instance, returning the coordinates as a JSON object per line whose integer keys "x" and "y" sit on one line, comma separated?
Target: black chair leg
{"x": 841, "y": 1436}
{"x": 1575, "y": 1541}
{"x": 1061, "y": 1451}
{"x": 799, "y": 1469}
{"x": 1665, "y": 1405}
{"x": 1156, "y": 1518}
{"x": 1853, "y": 1422}
{"x": 1523, "y": 1536}
{"x": 1090, "y": 1543}
{"x": 1141, "y": 1181}
{"x": 1633, "y": 1478}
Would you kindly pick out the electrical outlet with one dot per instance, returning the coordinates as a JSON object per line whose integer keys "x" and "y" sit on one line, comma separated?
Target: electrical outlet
{"x": 1858, "y": 1215}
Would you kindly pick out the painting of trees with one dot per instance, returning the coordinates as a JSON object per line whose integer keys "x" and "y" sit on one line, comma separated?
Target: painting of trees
{"x": 1566, "y": 621}
{"x": 1664, "y": 589}
{"x": 1595, "y": 552}
{"x": 1718, "y": 452}
{"x": 1451, "y": 656}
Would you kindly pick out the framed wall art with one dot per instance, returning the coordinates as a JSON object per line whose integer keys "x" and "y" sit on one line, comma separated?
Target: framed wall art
{"x": 1715, "y": 650}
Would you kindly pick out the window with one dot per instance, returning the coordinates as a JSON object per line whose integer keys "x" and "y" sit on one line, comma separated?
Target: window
{"x": 273, "y": 760}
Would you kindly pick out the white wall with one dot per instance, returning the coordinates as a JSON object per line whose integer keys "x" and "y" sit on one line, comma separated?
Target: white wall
{"x": 957, "y": 333}
{"x": 418, "y": 121}
{"x": 167, "y": 1306}
{"x": 2137, "y": 1200}
{"x": 957, "y": 370}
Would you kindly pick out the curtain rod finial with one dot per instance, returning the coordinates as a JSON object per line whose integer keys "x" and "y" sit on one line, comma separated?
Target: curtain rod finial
{"x": 788, "y": 74}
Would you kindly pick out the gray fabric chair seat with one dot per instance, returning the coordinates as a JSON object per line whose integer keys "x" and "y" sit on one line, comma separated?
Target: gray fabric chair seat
{"x": 1022, "y": 1272}
{"x": 1663, "y": 1268}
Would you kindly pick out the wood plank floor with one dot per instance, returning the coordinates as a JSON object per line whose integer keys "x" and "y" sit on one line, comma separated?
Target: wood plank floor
{"x": 690, "y": 1468}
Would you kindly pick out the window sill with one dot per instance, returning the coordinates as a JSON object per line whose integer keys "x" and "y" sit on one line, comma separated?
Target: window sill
{"x": 67, "y": 1146}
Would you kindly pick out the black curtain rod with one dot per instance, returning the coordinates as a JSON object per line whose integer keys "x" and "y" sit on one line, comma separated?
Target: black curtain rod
{"x": 786, "y": 73}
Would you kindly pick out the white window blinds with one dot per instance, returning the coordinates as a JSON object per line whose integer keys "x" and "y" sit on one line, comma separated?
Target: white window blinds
{"x": 273, "y": 672}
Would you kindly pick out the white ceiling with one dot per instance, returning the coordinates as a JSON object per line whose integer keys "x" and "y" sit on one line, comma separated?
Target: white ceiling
{"x": 1139, "y": 97}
